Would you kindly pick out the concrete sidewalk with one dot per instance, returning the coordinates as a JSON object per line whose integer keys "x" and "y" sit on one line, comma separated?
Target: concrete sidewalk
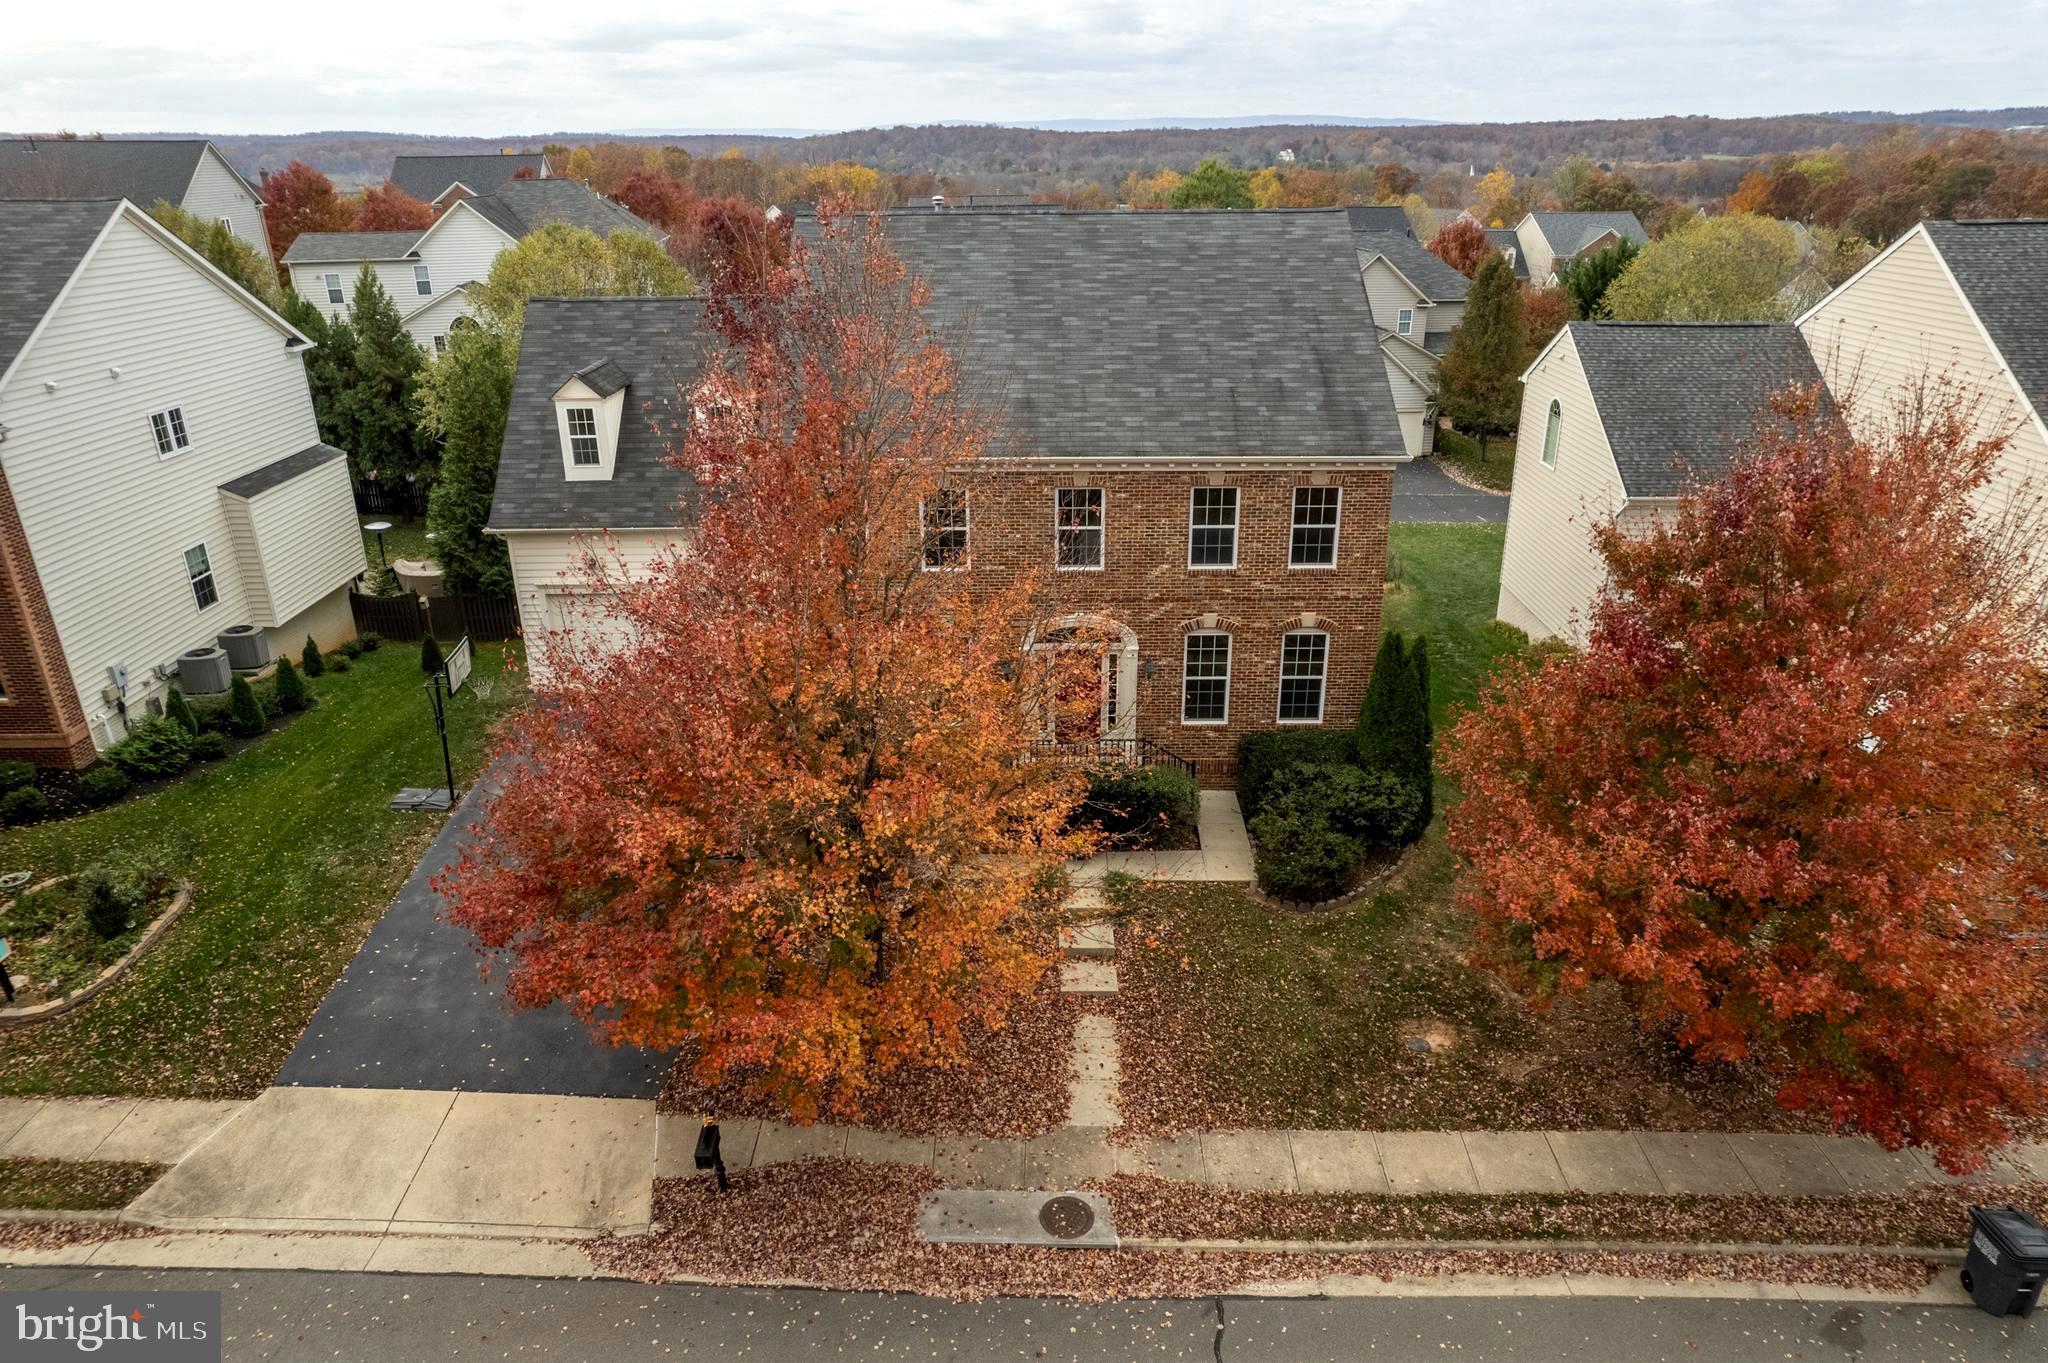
{"x": 1225, "y": 855}
{"x": 147, "y": 1130}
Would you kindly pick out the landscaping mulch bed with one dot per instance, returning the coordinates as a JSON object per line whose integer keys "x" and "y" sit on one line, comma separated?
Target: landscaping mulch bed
{"x": 1238, "y": 1013}
{"x": 853, "y": 1227}
{"x": 74, "y": 1185}
{"x": 1154, "y": 1207}
{"x": 1013, "y": 1082}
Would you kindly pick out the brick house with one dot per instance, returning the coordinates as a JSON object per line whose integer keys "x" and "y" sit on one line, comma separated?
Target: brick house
{"x": 1201, "y": 451}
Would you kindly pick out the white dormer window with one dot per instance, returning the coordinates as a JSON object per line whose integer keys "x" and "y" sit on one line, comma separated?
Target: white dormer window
{"x": 583, "y": 437}
{"x": 1404, "y": 321}
{"x": 420, "y": 283}
{"x": 167, "y": 427}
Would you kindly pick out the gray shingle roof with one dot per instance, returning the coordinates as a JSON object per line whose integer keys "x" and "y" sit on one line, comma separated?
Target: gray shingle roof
{"x": 2002, "y": 268}
{"x": 280, "y": 471}
{"x": 603, "y": 378}
{"x": 41, "y": 244}
{"x": 654, "y": 343}
{"x": 1380, "y": 218}
{"x": 1504, "y": 240}
{"x": 1175, "y": 335}
{"x": 335, "y": 248}
{"x": 1417, "y": 263}
{"x": 428, "y": 177}
{"x": 1569, "y": 233}
{"x": 139, "y": 171}
{"x": 521, "y": 207}
{"x": 1679, "y": 396}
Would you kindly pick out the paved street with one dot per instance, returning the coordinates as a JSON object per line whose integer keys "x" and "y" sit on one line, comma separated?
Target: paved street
{"x": 412, "y": 1012}
{"x": 1424, "y": 492}
{"x": 350, "y": 1316}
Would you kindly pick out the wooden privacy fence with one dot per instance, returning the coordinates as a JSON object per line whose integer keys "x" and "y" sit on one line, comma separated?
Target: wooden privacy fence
{"x": 406, "y": 618}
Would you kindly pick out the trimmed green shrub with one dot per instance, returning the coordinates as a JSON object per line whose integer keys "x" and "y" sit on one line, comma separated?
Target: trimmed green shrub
{"x": 430, "y": 655}
{"x": 1265, "y": 753}
{"x": 245, "y": 713}
{"x": 1141, "y": 804}
{"x": 292, "y": 695}
{"x": 370, "y": 640}
{"x": 1372, "y": 808}
{"x": 1302, "y": 857}
{"x": 350, "y": 648}
{"x": 23, "y": 805}
{"x": 311, "y": 659}
{"x": 339, "y": 663}
{"x": 102, "y": 785}
{"x": 1393, "y": 723}
{"x": 15, "y": 775}
{"x": 179, "y": 711}
{"x": 154, "y": 749}
{"x": 210, "y": 747}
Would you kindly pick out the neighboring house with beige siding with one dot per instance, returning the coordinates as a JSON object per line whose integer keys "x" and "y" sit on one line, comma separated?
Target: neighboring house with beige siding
{"x": 1616, "y": 416}
{"x": 431, "y": 274}
{"x": 162, "y": 478}
{"x": 189, "y": 173}
{"x": 1417, "y": 302}
{"x": 1548, "y": 240}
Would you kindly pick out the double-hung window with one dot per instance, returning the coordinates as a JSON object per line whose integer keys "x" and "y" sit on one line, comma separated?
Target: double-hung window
{"x": 1077, "y": 527}
{"x": 167, "y": 427}
{"x": 1404, "y": 321}
{"x": 1304, "y": 663}
{"x": 1205, "y": 678}
{"x": 335, "y": 297}
{"x": 583, "y": 437}
{"x": 1212, "y": 527}
{"x": 944, "y": 519}
{"x": 420, "y": 283}
{"x": 199, "y": 573}
{"x": 1312, "y": 539}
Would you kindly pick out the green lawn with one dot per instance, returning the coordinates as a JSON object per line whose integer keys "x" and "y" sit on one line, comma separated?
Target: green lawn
{"x": 405, "y": 539}
{"x": 1446, "y": 583}
{"x": 74, "y": 1185}
{"x": 1496, "y": 470}
{"x": 292, "y": 855}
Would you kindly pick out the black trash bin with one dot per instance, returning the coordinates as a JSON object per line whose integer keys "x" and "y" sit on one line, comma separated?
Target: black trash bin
{"x": 2008, "y": 1256}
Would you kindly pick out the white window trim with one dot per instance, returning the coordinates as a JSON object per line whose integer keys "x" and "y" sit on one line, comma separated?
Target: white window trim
{"x": 1404, "y": 322}
{"x": 421, "y": 276}
{"x": 1553, "y": 433}
{"x": 1229, "y": 660}
{"x": 596, "y": 459}
{"x": 440, "y": 345}
{"x": 1336, "y": 531}
{"x": 1236, "y": 529}
{"x": 211, "y": 575}
{"x": 1322, "y": 690}
{"x": 966, "y": 530}
{"x": 332, "y": 283}
{"x": 1101, "y": 530}
{"x": 176, "y": 426}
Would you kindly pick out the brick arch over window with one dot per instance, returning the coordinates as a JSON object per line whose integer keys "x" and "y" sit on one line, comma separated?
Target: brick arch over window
{"x": 1227, "y": 624}
{"x": 1307, "y": 620}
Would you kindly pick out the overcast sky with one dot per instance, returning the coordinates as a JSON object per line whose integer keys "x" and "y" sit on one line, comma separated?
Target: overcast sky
{"x": 458, "y": 67}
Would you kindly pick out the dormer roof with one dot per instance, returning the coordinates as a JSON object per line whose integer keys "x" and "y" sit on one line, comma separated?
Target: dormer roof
{"x": 604, "y": 378}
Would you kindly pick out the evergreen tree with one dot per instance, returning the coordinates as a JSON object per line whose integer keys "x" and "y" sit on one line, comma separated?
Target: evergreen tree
{"x": 330, "y": 367}
{"x": 1585, "y": 279}
{"x": 178, "y": 709}
{"x": 430, "y": 654}
{"x": 1479, "y": 385}
{"x": 1393, "y": 723}
{"x": 464, "y": 401}
{"x": 1418, "y": 657}
{"x": 245, "y": 716}
{"x": 311, "y": 660}
{"x": 379, "y": 401}
{"x": 292, "y": 696}
{"x": 381, "y": 581}
{"x": 1213, "y": 184}
{"x": 1379, "y": 715}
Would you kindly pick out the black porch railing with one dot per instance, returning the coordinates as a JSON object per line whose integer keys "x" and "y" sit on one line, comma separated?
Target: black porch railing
{"x": 1136, "y": 752}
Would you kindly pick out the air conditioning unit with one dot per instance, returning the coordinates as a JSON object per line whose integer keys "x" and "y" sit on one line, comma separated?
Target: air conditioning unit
{"x": 204, "y": 671}
{"x": 247, "y": 647}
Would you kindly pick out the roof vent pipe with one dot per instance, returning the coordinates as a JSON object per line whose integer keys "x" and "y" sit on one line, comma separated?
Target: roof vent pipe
{"x": 938, "y": 203}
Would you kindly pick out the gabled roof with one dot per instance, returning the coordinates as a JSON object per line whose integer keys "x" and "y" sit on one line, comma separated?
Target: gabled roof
{"x": 1508, "y": 244}
{"x": 1420, "y": 266}
{"x": 1675, "y": 397}
{"x": 2001, "y": 267}
{"x": 140, "y": 171}
{"x": 604, "y": 378}
{"x": 522, "y": 207}
{"x": 429, "y": 177}
{"x": 1570, "y": 233}
{"x": 1380, "y": 218}
{"x": 1170, "y": 335}
{"x": 350, "y": 248}
{"x": 653, "y": 343}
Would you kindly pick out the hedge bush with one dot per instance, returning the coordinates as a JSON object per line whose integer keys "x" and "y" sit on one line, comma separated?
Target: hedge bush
{"x": 1301, "y": 856}
{"x": 311, "y": 660}
{"x": 108, "y": 906}
{"x": 1373, "y": 808}
{"x": 153, "y": 749}
{"x": 15, "y": 775}
{"x": 210, "y": 747}
{"x": 24, "y": 804}
{"x": 1142, "y": 805}
{"x": 245, "y": 713}
{"x": 179, "y": 711}
{"x": 102, "y": 785}
{"x": 1265, "y": 753}
{"x": 292, "y": 695}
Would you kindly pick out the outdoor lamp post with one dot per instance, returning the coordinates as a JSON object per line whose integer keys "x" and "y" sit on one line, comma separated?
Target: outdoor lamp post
{"x": 708, "y": 1156}
{"x": 378, "y": 528}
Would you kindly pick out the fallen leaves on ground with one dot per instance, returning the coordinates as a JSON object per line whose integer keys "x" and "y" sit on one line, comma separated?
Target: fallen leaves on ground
{"x": 63, "y": 1234}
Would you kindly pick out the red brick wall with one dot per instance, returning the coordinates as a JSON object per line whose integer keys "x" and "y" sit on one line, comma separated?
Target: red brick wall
{"x": 40, "y": 719}
{"x": 1146, "y": 584}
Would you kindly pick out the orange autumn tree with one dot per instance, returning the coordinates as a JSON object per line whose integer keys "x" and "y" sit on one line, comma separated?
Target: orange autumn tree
{"x": 776, "y": 809}
{"x": 387, "y": 208}
{"x": 1789, "y": 796}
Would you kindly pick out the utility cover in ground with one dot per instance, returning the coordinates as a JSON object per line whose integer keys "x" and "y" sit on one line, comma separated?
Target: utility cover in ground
{"x": 980, "y": 1216}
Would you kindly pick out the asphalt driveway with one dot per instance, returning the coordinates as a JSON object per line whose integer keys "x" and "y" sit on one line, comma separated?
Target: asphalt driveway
{"x": 1424, "y": 492}
{"x": 413, "y": 1012}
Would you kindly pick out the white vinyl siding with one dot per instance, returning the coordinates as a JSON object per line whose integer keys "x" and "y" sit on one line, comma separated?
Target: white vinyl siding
{"x": 547, "y": 570}
{"x": 310, "y": 283}
{"x": 107, "y": 521}
{"x": 1388, "y": 292}
{"x": 295, "y": 542}
{"x": 436, "y": 317}
{"x": 216, "y": 192}
{"x": 461, "y": 247}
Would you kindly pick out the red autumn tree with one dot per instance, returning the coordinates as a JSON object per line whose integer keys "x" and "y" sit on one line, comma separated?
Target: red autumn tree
{"x": 728, "y": 235}
{"x": 387, "y": 208}
{"x": 300, "y": 199}
{"x": 656, "y": 196}
{"x": 1790, "y": 794}
{"x": 776, "y": 809}
{"x": 1462, "y": 244}
{"x": 526, "y": 173}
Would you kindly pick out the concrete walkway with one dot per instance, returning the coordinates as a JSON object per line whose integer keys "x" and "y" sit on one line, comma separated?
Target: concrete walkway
{"x": 146, "y": 1130}
{"x": 1424, "y": 492}
{"x": 1225, "y": 855}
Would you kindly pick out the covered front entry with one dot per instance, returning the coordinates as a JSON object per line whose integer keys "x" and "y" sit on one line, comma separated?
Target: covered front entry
{"x": 1111, "y": 721}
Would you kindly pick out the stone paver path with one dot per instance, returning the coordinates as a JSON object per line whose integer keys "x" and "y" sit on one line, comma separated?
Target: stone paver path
{"x": 146, "y": 1130}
